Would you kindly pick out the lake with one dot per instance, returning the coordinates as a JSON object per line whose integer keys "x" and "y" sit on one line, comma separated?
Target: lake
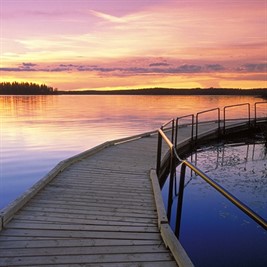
{"x": 36, "y": 132}
{"x": 212, "y": 229}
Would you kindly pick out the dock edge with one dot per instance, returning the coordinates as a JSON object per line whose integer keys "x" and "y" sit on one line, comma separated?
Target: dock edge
{"x": 169, "y": 238}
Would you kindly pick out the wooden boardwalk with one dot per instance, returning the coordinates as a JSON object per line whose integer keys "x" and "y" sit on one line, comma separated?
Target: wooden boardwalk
{"x": 100, "y": 208}
{"x": 98, "y": 211}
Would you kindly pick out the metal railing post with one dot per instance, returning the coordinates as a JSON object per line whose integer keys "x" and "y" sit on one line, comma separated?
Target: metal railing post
{"x": 255, "y": 114}
{"x": 255, "y": 110}
{"x": 172, "y": 130}
{"x": 231, "y": 106}
{"x": 180, "y": 201}
{"x": 192, "y": 130}
{"x": 172, "y": 170}
{"x": 177, "y": 127}
{"x": 159, "y": 153}
{"x": 176, "y": 132}
{"x": 224, "y": 120}
{"x": 249, "y": 115}
{"x": 219, "y": 122}
{"x": 206, "y": 111}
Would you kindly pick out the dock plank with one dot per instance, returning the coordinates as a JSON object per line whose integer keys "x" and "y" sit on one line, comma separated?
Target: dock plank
{"x": 49, "y": 216}
{"x": 83, "y": 259}
{"x": 43, "y": 233}
{"x": 18, "y": 224}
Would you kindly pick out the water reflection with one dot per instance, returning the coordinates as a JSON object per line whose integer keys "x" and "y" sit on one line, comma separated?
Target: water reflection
{"x": 246, "y": 164}
{"x": 212, "y": 229}
{"x": 36, "y": 132}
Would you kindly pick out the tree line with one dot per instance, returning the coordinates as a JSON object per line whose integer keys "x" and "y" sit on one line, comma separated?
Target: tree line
{"x": 167, "y": 91}
{"x": 25, "y": 88}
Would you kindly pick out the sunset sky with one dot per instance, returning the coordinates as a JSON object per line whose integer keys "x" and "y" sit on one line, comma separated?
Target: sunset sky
{"x": 124, "y": 44}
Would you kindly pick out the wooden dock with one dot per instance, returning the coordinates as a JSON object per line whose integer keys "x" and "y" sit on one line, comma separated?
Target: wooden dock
{"x": 95, "y": 209}
{"x": 102, "y": 207}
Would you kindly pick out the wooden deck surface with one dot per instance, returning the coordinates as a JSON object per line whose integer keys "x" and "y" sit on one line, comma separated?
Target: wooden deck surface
{"x": 99, "y": 211}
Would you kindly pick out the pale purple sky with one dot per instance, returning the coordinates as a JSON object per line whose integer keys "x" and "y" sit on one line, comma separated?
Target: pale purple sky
{"x": 121, "y": 44}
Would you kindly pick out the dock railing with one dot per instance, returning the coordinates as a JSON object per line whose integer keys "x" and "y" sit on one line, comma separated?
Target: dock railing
{"x": 173, "y": 158}
{"x": 256, "y": 110}
{"x": 177, "y": 125}
{"x": 204, "y": 112}
{"x": 235, "y": 106}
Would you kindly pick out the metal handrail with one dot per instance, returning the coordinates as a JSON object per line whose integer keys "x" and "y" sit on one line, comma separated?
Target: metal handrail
{"x": 206, "y": 111}
{"x": 257, "y": 218}
{"x": 166, "y": 123}
{"x": 172, "y": 128}
{"x": 177, "y": 126}
{"x": 255, "y": 109}
{"x": 172, "y": 166}
{"x": 161, "y": 135}
{"x": 174, "y": 157}
{"x": 166, "y": 139}
{"x": 232, "y": 106}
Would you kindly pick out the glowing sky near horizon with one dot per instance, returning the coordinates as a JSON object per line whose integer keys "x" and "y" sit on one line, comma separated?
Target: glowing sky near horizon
{"x": 119, "y": 44}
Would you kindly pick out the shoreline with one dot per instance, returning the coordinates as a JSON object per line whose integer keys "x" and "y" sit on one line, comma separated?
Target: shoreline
{"x": 261, "y": 92}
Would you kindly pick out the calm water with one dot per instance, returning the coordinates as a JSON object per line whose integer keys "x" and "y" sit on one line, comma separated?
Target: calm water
{"x": 212, "y": 228}
{"x": 36, "y": 132}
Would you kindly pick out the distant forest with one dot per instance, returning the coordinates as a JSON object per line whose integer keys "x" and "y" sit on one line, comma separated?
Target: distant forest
{"x": 26, "y": 88}
{"x": 166, "y": 91}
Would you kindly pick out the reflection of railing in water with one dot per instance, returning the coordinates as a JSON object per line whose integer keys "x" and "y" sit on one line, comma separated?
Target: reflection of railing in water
{"x": 221, "y": 158}
{"x": 174, "y": 158}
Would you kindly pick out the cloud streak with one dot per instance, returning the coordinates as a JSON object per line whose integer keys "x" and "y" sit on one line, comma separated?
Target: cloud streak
{"x": 152, "y": 68}
{"x": 107, "y": 17}
{"x": 252, "y": 67}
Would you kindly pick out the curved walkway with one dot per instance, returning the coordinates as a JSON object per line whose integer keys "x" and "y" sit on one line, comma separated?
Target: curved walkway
{"x": 102, "y": 207}
{"x": 98, "y": 211}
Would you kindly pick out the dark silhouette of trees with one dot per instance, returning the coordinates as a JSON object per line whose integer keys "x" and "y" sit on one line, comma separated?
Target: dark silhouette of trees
{"x": 25, "y": 88}
{"x": 167, "y": 91}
